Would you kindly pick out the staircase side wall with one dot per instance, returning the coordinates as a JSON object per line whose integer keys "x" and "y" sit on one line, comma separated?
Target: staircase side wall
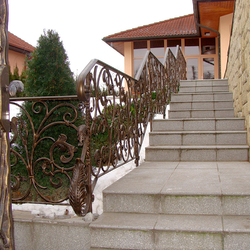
{"x": 33, "y": 232}
{"x": 238, "y": 66}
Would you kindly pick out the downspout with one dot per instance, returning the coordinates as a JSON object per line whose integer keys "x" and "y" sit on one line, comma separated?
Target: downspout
{"x": 218, "y": 37}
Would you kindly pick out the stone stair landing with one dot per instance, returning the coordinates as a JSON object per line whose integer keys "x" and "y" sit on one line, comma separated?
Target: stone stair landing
{"x": 184, "y": 205}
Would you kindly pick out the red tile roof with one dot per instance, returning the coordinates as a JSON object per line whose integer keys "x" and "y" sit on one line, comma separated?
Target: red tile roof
{"x": 180, "y": 26}
{"x": 19, "y": 43}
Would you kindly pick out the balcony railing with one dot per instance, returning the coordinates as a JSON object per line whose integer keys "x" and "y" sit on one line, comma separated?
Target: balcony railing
{"x": 61, "y": 146}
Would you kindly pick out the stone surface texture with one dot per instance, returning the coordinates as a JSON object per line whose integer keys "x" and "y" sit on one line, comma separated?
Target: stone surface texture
{"x": 238, "y": 67}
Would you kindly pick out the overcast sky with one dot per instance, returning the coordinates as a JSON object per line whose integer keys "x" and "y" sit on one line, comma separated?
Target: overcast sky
{"x": 82, "y": 24}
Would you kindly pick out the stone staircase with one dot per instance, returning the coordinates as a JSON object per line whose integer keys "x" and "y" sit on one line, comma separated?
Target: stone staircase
{"x": 193, "y": 190}
{"x": 201, "y": 127}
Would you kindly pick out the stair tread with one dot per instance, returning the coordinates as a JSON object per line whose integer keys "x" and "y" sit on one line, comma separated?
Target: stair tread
{"x": 200, "y": 147}
{"x": 204, "y": 85}
{"x": 202, "y": 93}
{"x": 179, "y": 223}
{"x": 198, "y": 132}
{"x": 202, "y": 101}
{"x": 222, "y": 109}
{"x": 201, "y": 119}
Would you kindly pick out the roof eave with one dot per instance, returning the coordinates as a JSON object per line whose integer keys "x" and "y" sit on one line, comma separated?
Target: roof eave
{"x": 19, "y": 50}
{"x": 129, "y": 39}
{"x": 196, "y": 12}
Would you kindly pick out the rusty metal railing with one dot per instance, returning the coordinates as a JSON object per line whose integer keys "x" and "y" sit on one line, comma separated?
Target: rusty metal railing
{"x": 85, "y": 138}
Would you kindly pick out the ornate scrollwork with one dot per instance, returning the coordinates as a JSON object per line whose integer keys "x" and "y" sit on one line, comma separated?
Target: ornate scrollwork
{"x": 80, "y": 195}
{"x": 121, "y": 117}
{"x": 181, "y": 66}
{"x": 82, "y": 134}
{"x": 39, "y": 161}
{"x": 115, "y": 110}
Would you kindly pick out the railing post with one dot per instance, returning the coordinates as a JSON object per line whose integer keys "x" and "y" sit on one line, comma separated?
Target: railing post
{"x": 80, "y": 191}
{"x": 88, "y": 152}
{"x": 136, "y": 146}
{"x": 6, "y": 221}
{"x": 149, "y": 90}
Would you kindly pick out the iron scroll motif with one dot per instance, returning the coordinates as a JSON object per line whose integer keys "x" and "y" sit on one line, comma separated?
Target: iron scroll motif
{"x": 80, "y": 189}
{"x": 80, "y": 194}
{"x": 107, "y": 132}
{"x": 181, "y": 68}
{"x": 119, "y": 107}
{"x": 35, "y": 174}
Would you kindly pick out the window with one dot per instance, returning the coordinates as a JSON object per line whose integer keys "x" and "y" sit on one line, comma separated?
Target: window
{"x": 140, "y": 49}
{"x": 208, "y": 68}
{"x": 192, "y": 69}
{"x": 173, "y": 43}
{"x": 192, "y": 47}
{"x": 137, "y": 64}
{"x": 157, "y": 48}
{"x": 208, "y": 46}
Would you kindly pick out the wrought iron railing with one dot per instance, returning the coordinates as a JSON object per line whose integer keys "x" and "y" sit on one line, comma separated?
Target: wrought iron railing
{"x": 60, "y": 147}
{"x": 43, "y": 147}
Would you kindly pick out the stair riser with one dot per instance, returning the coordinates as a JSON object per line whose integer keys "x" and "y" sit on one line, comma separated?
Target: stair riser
{"x": 200, "y": 105}
{"x": 194, "y": 89}
{"x": 176, "y": 204}
{"x": 154, "y": 239}
{"x": 202, "y": 155}
{"x": 203, "y": 82}
{"x": 201, "y": 114}
{"x": 197, "y": 139}
{"x": 199, "y": 125}
{"x": 202, "y": 97}
{"x": 166, "y": 204}
{"x": 122, "y": 239}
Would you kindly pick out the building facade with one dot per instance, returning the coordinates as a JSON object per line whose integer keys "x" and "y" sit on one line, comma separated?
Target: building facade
{"x": 203, "y": 36}
{"x": 18, "y": 51}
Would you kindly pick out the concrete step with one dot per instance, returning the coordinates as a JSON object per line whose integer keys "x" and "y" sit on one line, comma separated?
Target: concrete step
{"x": 204, "y": 88}
{"x": 187, "y": 188}
{"x": 152, "y": 231}
{"x": 188, "y": 97}
{"x": 174, "y": 105}
{"x": 197, "y": 153}
{"x": 199, "y": 124}
{"x": 198, "y": 138}
{"x": 211, "y": 82}
{"x": 177, "y": 205}
{"x": 170, "y": 203}
{"x": 201, "y": 113}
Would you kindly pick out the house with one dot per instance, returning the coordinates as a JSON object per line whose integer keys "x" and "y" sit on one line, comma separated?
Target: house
{"x": 215, "y": 42}
{"x": 18, "y": 50}
{"x": 203, "y": 36}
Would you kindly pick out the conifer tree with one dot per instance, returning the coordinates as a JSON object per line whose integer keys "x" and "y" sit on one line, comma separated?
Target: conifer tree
{"x": 15, "y": 75}
{"x": 48, "y": 71}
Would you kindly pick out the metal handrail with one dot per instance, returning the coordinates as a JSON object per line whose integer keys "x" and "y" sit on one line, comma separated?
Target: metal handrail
{"x": 109, "y": 124}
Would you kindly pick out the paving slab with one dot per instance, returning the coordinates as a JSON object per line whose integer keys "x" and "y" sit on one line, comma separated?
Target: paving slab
{"x": 193, "y": 182}
{"x": 182, "y": 188}
{"x": 236, "y": 224}
{"x": 199, "y": 165}
{"x": 200, "y": 178}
